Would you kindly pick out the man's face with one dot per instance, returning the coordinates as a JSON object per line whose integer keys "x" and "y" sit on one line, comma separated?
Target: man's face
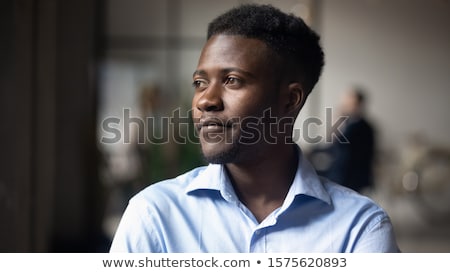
{"x": 235, "y": 82}
{"x": 349, "y": 103}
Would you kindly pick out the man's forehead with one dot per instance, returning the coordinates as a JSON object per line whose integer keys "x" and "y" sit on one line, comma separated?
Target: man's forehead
{"x": 235, "y": 43}
{"x": 234, "y": 49}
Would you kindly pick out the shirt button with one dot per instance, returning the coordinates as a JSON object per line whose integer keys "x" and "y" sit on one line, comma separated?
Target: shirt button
{"x": 258, "y": 232}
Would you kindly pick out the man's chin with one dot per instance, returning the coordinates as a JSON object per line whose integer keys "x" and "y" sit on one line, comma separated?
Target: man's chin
{"x": 223, "y": 156}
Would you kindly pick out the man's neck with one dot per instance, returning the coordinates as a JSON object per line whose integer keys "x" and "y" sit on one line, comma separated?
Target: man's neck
{"x": 263, "y": 184}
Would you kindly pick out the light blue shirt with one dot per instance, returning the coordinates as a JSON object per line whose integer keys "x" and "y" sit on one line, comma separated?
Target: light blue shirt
{"x": 200, "y": 212}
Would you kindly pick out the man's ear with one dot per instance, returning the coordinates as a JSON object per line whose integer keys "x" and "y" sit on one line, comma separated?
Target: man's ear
{"x": 297, "y": 97}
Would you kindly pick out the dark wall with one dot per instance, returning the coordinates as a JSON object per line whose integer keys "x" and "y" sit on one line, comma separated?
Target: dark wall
{"x": 50, "y": 195}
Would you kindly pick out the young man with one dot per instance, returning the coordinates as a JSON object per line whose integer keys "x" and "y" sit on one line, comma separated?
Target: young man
{"x": 258, "y": 194}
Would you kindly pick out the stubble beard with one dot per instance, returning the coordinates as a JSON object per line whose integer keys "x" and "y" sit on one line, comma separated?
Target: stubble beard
{"x": 225, "y": 156}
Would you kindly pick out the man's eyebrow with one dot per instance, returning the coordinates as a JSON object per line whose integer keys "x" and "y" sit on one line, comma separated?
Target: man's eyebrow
{"x": 224, "y": 71}
{"x": 199, "y": 73}
{"x": 239, "y": 70}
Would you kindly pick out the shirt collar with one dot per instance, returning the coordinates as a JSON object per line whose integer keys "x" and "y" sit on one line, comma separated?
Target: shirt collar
{"x": 214, "y": 178}
{"x": 306, "y": 182}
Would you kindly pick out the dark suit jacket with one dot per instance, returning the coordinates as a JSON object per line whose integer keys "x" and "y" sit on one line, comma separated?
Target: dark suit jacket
{"x": 352, "y": 161}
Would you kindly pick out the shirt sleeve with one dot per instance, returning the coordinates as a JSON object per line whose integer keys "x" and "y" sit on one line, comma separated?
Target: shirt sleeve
{"x": 135, "y": 233}
{"x": 379, "y": 237}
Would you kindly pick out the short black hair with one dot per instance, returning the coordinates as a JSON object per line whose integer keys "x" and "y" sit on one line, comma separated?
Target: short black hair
{"x": 360, "y": 94}
{"x": 286, "y": 34}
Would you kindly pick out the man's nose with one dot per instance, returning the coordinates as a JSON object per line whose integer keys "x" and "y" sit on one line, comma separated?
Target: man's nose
{"x": 211, "y": 99}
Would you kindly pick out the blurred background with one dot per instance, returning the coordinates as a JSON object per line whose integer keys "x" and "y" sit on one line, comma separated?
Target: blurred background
{"x": 88, "y": 88}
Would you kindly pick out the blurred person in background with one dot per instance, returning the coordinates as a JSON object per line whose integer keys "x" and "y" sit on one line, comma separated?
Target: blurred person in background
{"x": 259, "y": 193}
{"x": 353, "y": 149}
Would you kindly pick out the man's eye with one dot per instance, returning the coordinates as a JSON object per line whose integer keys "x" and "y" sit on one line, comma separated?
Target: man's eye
{"x": 199, "y": 84}
{"x": 232, "y": 81}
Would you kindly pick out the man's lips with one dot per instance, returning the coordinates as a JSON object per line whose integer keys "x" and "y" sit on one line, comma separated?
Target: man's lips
{"x": 213, "y": 124}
